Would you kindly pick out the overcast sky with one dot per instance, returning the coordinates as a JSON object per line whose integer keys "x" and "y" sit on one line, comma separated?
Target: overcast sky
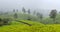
{"x": 32, "y": 4}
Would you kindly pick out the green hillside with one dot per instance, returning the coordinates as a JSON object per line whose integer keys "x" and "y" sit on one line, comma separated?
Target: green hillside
{"x": 35, "y": 24}
{"x": 20, "y": 27}
{"x": 36, "y": 27}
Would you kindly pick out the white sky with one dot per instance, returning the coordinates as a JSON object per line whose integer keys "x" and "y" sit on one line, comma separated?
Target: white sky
{"x": 32, "y": 4}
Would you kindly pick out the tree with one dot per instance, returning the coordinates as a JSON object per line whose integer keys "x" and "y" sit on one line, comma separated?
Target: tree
{"x": 17, "y": 10}
{"x": 6, "y": 21}
{"x": 15, "y": 15}
{"x": 23, "y": 9}
{"x": 53, "y": 14}
{"x": 1, "y": 23}
{"x": 34, "y": 12}
{"x": 28, "y": 11}
{"x": 40, "y": 15}
{"x": 13, "y": 10}
{"x": 29, "y": 14}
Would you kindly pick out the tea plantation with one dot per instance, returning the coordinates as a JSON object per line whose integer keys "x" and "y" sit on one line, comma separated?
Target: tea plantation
{"x": 36, "y": 27}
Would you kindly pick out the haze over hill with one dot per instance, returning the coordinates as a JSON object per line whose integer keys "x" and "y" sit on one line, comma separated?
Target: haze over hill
{"x": 44, "y": 6}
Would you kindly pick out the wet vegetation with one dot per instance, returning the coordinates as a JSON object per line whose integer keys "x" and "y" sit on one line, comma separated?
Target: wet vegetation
{"x": 16, "y": 21}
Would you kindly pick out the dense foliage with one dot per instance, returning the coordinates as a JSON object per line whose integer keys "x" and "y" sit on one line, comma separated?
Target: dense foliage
{"x": 53, "y": 14}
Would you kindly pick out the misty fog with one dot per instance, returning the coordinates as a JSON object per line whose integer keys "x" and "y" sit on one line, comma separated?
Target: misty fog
{"x": 43, "y": 6}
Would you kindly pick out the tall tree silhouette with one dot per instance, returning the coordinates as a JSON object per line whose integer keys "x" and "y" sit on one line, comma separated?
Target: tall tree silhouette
{"x": 29, "y": 11}
{"x": 53, "y": 14}
{"x": 17, "y": 10}
{"x": 23, "y": 9}
{"x": 13, "y": 10}
{"x": 29, "y": 18}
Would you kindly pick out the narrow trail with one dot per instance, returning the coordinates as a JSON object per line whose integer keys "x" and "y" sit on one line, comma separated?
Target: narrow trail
{"x": 24, "y": 23}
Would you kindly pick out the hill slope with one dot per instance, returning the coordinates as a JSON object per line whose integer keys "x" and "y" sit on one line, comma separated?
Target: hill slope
{"x": 36, "y": 27}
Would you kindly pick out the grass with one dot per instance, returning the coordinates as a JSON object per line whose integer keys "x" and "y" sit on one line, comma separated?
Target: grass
{"x": 20, "y": 27}
{"x": 37, "y": 27}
